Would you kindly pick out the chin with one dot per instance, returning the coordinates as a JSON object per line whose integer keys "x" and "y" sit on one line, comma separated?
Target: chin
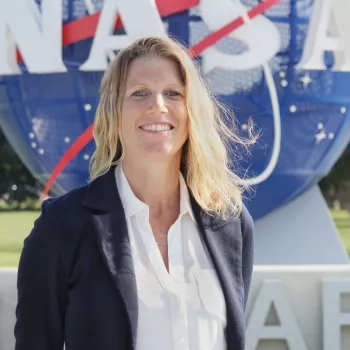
{"x": 160, "y": 152}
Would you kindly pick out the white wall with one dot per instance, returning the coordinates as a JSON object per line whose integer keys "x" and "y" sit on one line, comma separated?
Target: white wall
{"x": 306, "y": 299}
{"x": 7, "y": 307}
{"x": 301, "y": 232}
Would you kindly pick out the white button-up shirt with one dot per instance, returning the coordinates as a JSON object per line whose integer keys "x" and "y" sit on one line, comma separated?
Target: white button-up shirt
{"x": 185, "y": 307}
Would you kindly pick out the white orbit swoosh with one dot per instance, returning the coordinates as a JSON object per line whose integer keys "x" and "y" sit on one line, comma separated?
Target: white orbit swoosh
{"x": 276, "y": 116}
{"x": 277, "y": 130}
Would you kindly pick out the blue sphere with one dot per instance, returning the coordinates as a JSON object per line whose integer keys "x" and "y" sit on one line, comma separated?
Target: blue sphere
{"x": 43, "y": 114}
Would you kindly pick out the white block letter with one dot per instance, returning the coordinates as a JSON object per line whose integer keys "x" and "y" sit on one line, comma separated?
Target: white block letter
{"x": 272, "y": 292}
{"x": 333, "y": 318}
{"x": 139, "y": 17}
{"x": 318, "y": 39}
{"x": 40, "y": 44}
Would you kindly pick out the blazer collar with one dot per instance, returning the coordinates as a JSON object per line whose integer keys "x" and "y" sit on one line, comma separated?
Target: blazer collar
{"x": 109, "y": 223}
{"x": 221, "y": 237}
{"x": 102, "y": 194}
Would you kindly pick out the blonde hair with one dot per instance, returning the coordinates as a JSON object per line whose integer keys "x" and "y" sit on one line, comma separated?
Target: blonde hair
{"x": 205, "y": 160}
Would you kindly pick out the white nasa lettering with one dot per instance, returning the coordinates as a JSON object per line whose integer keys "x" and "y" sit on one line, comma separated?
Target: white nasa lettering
{"x": 140, "y": 18}
{"x": 41, "y": 48}
{"x": 335, "y": 318}
{"x": 260, "y": 35}
{"x": 272, "y": 293}
{"x": 39, "y": 36}
{"x": 329, "y": 16}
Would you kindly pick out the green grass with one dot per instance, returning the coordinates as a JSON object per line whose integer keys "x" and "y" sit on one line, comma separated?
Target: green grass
{"x": 16, "y": 225}
{"x": 342, "y": 220}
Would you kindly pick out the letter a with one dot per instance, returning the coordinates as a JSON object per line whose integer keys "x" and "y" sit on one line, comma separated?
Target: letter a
{"x": 334, "y": 318}
{"x": 272, "y": 292}
{"x": 139, "y": 17}
{"x": 318, "y": 40}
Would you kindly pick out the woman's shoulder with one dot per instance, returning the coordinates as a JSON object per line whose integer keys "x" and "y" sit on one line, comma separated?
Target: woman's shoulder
{"x": 72, "y": 200}
{"x": 64, "y": 213}
{"x": 52, "y": 243}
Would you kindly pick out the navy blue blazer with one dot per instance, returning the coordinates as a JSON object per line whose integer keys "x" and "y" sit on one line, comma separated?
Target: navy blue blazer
{"x": 76, "y": 283}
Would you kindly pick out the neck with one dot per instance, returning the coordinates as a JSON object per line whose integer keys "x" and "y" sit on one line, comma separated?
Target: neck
{"x": 156, "y": 183}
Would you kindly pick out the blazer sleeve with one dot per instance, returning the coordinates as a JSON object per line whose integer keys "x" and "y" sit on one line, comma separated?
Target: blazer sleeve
{"x": 247, "y": 227}
{"x": 41, "y": 287}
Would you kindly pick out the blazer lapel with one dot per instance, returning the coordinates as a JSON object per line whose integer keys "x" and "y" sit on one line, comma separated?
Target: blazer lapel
{"x": 112, "y": 234}
{"x": 224, "y": 243}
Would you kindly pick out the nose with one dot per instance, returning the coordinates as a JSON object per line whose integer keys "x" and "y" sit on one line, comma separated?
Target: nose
{"x": 158, "y": 104}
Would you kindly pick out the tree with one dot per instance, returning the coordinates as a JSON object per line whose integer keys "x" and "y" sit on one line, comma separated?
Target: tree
{"x": 336, "y": 185}
{"x": 16, "y": 182}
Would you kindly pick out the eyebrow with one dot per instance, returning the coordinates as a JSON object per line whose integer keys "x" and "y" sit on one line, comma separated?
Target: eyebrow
{"x": 173, "y": 85}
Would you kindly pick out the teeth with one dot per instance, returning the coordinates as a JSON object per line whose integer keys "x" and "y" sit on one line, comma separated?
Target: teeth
{"x": 157, "y": 127}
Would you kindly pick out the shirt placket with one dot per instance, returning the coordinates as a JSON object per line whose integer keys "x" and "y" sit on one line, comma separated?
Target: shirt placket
{"x": 173, "y": 283}
{"x": 178, "y": 312}
{"x": 178, "y": 297}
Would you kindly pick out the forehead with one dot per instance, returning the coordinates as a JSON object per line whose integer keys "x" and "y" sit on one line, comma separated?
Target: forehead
{"x": 152, "y": 69}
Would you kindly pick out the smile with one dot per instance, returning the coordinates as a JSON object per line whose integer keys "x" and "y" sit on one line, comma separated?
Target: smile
{"x": 157, "y": 127}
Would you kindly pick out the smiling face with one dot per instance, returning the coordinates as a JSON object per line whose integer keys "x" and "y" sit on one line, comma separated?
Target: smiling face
{"x": 154, "y": 120}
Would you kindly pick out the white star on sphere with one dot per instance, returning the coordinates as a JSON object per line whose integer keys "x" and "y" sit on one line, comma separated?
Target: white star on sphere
{"x": 292, "y": 108}
{"x": 320, "y": 136}
{"x": 87, "y": 107}
{"x": 306, "y": 80}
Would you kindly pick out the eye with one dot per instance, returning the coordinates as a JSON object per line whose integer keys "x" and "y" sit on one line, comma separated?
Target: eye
{"x": 140, "y": 93}
{"x": 173, "y": 93}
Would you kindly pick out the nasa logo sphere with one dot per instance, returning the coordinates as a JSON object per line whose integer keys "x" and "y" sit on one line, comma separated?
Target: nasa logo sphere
{"x": 269, "y": 61}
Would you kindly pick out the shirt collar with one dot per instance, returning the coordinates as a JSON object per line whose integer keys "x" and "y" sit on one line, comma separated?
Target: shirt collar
{"x": 185, "y": 204}
{"x": 132, "y": 205}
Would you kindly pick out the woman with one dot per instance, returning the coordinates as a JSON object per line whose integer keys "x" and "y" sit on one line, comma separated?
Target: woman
{"x": 156, "y": 251}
